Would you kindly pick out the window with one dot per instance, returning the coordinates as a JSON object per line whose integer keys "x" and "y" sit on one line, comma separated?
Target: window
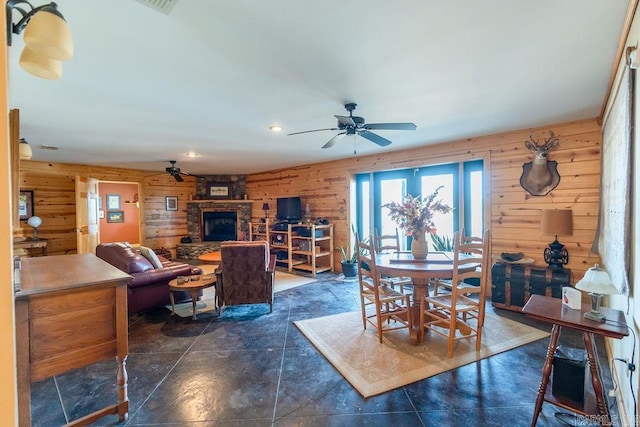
{"x": 461, "y": 188}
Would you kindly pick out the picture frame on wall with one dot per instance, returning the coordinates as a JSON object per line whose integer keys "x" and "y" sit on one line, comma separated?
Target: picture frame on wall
{"x": 171, "y": 203}
{"x": 25, "y": 204}
{"x": 113, "y": 202}
{"x": 115, "y": 216}
{"x": 219, "y": 191}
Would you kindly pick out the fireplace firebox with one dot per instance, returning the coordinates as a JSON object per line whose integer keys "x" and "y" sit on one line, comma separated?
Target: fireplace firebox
{"x": 219, "y": 226}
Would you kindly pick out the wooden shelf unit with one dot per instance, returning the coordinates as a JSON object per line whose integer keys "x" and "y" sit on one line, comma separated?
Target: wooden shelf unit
{"x": 306, "y": 247}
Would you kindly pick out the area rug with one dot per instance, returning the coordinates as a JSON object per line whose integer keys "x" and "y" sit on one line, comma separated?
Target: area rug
{"x": 356, "y": 352}
{"x": 206, "y": 304}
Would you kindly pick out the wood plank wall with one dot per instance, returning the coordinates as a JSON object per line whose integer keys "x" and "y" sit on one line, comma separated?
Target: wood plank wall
{"x": 54, "y": 201}
{"x": 513, "y": 214}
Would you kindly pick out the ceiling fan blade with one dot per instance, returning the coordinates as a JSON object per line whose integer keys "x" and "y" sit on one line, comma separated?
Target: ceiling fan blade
{"x": 307, "y": 131}
{"x": 391, "y": 126}
{"x": 333, "y": 140}
{"x": 345, "y": 120}
{"x": 376, "y": 139}
{"x": 193, "y": 175}
{"x": 177, "y": 177}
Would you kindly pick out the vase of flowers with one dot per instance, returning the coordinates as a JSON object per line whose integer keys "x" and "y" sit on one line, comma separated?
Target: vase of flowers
{"x": 415, "y": 216}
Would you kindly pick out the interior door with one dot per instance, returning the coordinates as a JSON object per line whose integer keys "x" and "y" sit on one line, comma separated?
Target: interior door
{"x": 86, "y": 214}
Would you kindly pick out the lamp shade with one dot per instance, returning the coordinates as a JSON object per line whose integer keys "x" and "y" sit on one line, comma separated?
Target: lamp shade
{"x": 40, "y": 65}
{"x": 24, "y": 151}
{"x": 34, "y": 221}
{"x": 557, "y": 221}
{"x": 596, "y": 280}
{"x": 48, "y": 34}
{"x": 265, "y": 206}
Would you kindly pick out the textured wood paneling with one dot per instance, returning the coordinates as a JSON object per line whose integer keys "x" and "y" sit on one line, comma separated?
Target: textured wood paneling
{"x": 54, "y": 201}
{"x": 514, "y": 214}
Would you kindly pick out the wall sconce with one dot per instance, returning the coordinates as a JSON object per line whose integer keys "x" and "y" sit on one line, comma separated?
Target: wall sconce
{"x": 46, "y": 36}
{"x": 556, "y": 222}
{"x": 265, "y": 208}
{"x": 24, "y": 150}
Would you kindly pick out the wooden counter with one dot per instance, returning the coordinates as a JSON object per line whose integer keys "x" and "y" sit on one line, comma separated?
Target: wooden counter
{"x": 70, "y": 312}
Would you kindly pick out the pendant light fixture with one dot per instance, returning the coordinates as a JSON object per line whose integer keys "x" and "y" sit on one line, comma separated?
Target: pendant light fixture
{"x": 24, "y": 150}
{"x": 47, "y": 38}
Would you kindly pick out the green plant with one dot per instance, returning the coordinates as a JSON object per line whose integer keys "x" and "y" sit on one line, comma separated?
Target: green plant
{"x": 349, "y": 253}
{"x": 442, "y": 243}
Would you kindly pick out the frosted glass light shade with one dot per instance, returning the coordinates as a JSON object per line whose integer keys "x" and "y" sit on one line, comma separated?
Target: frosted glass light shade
{"x": 48, "y": 34}
{"x": 34, "y": 221}
{"x": 40, "y": 65}
{"x": 25, "y": 151}
{"x": 597, "y": 281}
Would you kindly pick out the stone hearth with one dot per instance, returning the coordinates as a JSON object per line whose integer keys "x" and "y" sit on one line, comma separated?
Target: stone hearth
{"x": 196, "y": 207}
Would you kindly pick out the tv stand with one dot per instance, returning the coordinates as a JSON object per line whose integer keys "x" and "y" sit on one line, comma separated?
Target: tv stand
{"x": 306, "y": 247}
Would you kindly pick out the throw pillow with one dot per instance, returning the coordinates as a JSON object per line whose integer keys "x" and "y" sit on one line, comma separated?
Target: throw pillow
{"x": 149, "y": 254}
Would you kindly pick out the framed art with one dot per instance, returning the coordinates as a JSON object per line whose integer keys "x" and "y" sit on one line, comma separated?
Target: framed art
{"x": 25, "y": 204}
{"x": 115, "y": 216}
{"x": 171, "y": 203}
{"x": 113, "y": 202}
{"x": 219, "y": 191}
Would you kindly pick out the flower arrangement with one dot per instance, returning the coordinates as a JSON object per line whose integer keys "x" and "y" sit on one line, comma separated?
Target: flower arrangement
{"x": 415, "y": 215}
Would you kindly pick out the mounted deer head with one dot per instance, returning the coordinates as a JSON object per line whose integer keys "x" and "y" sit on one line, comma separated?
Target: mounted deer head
{"x": 540, "y": 176}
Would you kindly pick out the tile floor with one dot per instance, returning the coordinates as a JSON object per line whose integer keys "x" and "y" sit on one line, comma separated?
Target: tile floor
{"x": 251, "y": 368}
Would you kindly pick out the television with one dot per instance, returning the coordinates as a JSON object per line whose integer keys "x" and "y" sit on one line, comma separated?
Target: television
{"x": 289, "y": 209}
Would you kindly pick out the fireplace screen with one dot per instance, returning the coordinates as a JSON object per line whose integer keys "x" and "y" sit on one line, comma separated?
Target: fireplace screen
{"x": 219, "y": 226}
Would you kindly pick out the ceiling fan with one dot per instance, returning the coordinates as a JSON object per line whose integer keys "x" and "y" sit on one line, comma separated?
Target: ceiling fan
{"x": 175, "y": 172}
{"x": 353, "y": 125}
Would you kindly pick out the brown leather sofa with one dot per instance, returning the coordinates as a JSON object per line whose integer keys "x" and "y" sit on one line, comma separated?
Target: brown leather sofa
{"x": 149, "y": 288}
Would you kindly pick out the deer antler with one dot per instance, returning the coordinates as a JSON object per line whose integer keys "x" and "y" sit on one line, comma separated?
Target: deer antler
{"x": 548, "y": 142}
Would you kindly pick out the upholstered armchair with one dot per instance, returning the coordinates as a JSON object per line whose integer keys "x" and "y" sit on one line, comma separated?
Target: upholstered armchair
{"x": 246, "y": 274}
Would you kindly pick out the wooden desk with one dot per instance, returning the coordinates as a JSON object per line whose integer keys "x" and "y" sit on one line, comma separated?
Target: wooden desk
{"x": 438, "y": 265}
{"x": 30, "y": 243}
{"x": 551, "y": 310}
{"x": 70, "y": 312}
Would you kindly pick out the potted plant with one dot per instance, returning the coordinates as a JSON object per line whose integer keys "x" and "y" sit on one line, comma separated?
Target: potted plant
{"x": 349, "y": 257}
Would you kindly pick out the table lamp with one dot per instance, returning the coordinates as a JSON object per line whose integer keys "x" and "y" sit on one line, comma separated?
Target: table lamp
{"x": 35, "y": 222}
{"x": 597, "y": 283}
{"x": 265, "y": 208}
{"x": 556, "y": 222}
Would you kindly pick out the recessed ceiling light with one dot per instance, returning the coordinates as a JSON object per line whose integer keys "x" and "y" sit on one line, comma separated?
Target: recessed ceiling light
{"x": 275, "y": 128}
{"x": 192, "y": 154}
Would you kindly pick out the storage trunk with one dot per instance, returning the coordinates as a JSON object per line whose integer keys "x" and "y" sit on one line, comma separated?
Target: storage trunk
{"x": 513, "y": 284}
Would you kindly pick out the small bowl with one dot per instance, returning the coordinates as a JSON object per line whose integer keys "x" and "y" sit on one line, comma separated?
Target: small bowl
{"x": 182, "y": 279}
{"x": 195, "y": 278}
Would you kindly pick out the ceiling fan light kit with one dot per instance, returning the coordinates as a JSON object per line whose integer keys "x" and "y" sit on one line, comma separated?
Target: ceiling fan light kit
{"x": 354, "y": 125}
{"x": 47, "y": 38}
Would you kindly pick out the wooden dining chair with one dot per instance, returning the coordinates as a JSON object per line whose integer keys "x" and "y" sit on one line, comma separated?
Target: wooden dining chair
{"x": 390, "y": 243}
{"x": 460, "y": 314}
{"x": 383, "y": 307}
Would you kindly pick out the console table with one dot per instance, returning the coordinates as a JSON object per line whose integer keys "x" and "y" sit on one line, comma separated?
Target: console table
{"x": 71, "y": 311}
{"x": 31, "y": 243}
{"x": 552, "y": 310}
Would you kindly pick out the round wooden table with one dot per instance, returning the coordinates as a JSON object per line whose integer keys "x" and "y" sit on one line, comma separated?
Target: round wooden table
{"x": 438, "y": 265}
{"x": 214, "y": 257}
{"x": 191, "y": 286}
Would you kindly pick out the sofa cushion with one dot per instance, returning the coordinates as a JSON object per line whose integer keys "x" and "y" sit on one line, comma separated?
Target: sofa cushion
{"x": 149, "y": 254}
{"x": 138, "y": 264}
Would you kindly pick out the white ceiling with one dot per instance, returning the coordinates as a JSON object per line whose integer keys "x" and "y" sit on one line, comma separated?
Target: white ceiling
{"x": 212, "y": 76}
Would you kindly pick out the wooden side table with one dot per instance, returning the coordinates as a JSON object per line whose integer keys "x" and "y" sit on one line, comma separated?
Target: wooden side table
{"x": 193, "y": 287}
{"x": 30, "y": 243}
{"x": 551, "y": 310}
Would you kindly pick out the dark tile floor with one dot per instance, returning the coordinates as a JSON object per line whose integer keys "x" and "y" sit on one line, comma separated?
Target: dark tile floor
{"x": 251, "y": 368}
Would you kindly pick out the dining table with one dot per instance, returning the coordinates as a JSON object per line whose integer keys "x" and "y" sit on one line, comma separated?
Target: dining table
{"x": 437, "y": 265}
